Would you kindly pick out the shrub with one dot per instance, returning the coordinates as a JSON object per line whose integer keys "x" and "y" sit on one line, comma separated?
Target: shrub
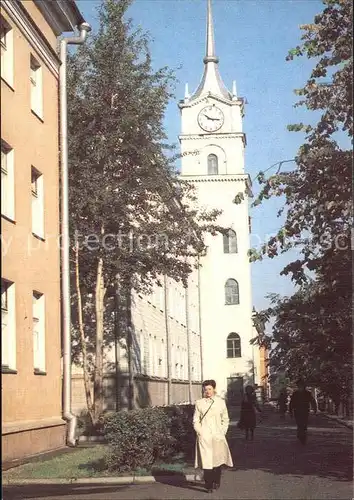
{"x": 137, "y": 438}
{"x": 181, "y": 428}
{"x": 85, "y": 426}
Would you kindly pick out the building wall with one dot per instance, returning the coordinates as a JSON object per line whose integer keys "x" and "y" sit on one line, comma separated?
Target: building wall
{"x": 31, "y": 403}
{"x": 150, "y": 343}
{"x": 218, "y": 192}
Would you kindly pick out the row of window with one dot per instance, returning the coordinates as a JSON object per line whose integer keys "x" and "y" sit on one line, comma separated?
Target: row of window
{"x": 150, "y": 358}
{"x": 8, "y": 327}
{"x": 8, "y": 190}
{"x": 7, "y": 68}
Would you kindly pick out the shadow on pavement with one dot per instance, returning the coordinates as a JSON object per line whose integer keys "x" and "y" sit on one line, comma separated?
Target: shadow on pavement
{"x": 48, "y": 490}
{"x": 275, "y": 449}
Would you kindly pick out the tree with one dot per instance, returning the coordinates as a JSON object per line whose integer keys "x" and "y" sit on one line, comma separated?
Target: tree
{"x": 312, "y": 328}
{"x": 133, "y": 220}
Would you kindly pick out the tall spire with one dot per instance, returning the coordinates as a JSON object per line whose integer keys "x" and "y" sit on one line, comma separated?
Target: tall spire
{"x": 211, "y": 81}
{"x": 210, "y": 44}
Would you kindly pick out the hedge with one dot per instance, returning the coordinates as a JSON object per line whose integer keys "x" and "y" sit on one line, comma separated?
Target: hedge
{"x": 139, "y": 438}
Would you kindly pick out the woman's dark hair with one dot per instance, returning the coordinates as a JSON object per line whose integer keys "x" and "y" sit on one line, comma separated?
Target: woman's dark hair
{"x": 209, "y": 382}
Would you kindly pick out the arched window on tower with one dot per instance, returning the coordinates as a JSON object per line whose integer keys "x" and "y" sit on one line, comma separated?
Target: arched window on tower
{"x": 230, "y": 242}
{"x": 233, "y": 345}
{"x": 232, "y": 295}
{"x": 212, "y": 164}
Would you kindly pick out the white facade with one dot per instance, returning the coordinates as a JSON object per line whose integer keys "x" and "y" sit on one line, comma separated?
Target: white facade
{"x": 211, "y": 124}
{"x": 165, "y": 325}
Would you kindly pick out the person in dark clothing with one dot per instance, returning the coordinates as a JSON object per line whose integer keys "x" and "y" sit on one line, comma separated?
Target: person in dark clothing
{"x": 283, "y": 403}
{"x": 249, "y": 406}
{"x": 300, "y": 404}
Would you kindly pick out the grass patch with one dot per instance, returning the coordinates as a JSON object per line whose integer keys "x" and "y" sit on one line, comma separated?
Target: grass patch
{"x": 89, "y": 462}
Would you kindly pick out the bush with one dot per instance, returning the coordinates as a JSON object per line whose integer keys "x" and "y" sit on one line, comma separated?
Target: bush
{"x": 137, "y": 438}
{"x": 85, "y": 426}
{"x": 181, "y": 428}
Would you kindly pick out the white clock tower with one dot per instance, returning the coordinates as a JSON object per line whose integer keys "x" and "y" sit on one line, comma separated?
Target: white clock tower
{"x": 212, "y": 126}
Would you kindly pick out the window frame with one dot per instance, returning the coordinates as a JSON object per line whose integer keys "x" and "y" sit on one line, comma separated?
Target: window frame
{"x": 39, "y": 318}
{"x": 37, "y": 203}
{"x": 36, "y": 86}
{"x": 7, "y": 52}
{"x": 228, "y": 241}
{"x": 7, "y": 181}
{"x": 235, "y": 340}
{"x": 229, "y": 300}
{"x": 8, "y": 334}
{"x": 211, "y": 170}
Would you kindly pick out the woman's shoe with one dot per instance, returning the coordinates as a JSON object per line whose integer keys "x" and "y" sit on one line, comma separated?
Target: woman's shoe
{"x": 216, "y": 486}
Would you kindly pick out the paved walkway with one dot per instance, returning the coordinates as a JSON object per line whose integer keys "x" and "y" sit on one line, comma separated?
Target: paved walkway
{"x": 272, "y": 467}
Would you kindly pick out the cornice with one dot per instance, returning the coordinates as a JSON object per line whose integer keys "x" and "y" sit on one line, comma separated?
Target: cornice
{"x": 216, "y": 136}
{"x": 221, "y": 178}
{"x": 205, "y": 97}
{"x": 60, "y": 15}
{"x": 33, "y": 35}
{"x": 216, "y": 178}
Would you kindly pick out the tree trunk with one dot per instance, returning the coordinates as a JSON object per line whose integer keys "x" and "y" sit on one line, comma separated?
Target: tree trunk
{"x": 98, "y": 377}
{"x": 85, "y": 365}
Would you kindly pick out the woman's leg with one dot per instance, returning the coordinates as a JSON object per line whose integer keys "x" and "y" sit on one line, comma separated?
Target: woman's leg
{"x": 217, "y": 477}
{"x": 208, "y": 478}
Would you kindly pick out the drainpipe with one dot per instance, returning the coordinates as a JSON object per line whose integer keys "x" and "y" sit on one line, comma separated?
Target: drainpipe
{"x": 65, "y": 240}
{"x": 188, "y": 345}
{"x": 168, "y": 343}
{"x": 200, "y": 320}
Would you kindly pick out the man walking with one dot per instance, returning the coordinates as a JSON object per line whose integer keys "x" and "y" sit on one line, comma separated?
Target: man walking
{"x": 300, "y": 404}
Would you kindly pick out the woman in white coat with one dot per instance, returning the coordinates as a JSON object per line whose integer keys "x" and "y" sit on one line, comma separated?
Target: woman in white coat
{"x": 210, "y": 422}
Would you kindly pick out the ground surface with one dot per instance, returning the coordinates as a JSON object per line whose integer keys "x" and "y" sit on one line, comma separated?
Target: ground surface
{"x": 272, "y": 467}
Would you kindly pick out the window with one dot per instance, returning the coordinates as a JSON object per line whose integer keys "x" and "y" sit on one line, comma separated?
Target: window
{"x": 37, "y": 203}
{"x": 212, "y": 164}
{"x": 36, "y": 87}
{"x": 7, "y": 73}
{"x": 7, "y": 181}
{"x": 8, "y": 325}
{"x": 38, "y": 318}
{"x": 231, "y": 292}
{"x": 230, "y": 242}
{"x": 233, "y": 345}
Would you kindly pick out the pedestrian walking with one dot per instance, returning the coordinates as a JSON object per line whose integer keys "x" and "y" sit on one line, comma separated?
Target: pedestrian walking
{"x": 283, "y": 403}
{"x": 210, "y": 422}
{"x": 249, "y": 406}
{"x": 300, "y": 404}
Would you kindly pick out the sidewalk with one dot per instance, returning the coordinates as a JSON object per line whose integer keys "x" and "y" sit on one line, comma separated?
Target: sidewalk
{"x": 348, "y": 422}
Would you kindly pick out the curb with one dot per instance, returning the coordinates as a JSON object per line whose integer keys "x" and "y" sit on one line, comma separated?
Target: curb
{"x": 92, "y": 439}
{"x": 338, "y": 420}
{"x": 103, "y": 480}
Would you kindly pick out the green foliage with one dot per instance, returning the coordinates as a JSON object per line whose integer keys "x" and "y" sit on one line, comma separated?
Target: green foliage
{"x": 312, "y": 330}
{"x": 139, "y": 438}
{"x": 133, "y": 220}
{"x": 181, "y": 428}
{"x": 121, "y": 180}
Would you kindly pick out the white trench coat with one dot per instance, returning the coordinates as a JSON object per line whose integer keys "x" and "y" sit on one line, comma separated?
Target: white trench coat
{"x": 212, "y": 449}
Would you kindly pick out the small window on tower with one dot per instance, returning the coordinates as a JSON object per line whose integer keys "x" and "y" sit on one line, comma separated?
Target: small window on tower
{"x": 212, "y": 164}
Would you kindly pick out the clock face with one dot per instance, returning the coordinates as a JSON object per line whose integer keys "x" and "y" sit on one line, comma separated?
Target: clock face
{"x": 210, "y": 118}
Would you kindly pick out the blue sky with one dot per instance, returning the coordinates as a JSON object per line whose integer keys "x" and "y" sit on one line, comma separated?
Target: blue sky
{"x": 252, "y": 39}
